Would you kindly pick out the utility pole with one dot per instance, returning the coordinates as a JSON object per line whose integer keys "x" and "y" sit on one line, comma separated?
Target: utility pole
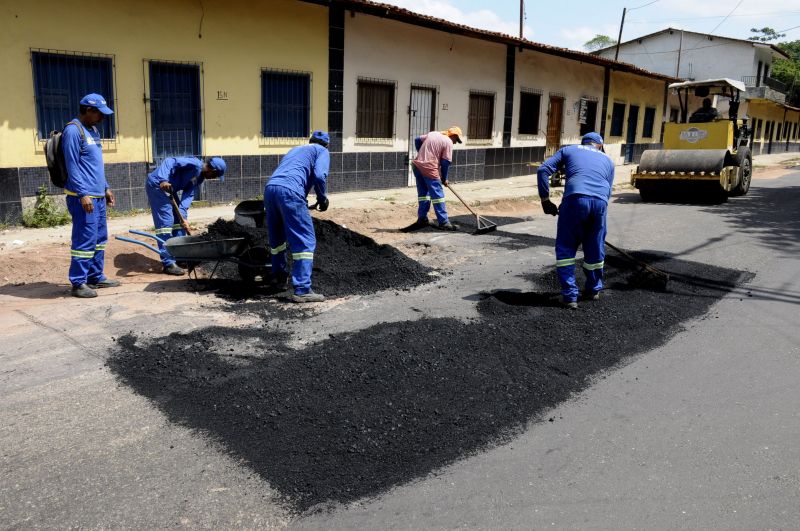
{"x": 521, "y": 17}
{"x": 619, "y": 38}
{"x": 680, "y": 47}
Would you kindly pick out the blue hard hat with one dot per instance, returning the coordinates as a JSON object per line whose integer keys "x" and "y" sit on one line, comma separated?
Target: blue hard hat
{"x": 321, "y": 136}
{"x": 97, "y": 101}
{"x": 218, "y": 163}
{"x": 592, "y": 138}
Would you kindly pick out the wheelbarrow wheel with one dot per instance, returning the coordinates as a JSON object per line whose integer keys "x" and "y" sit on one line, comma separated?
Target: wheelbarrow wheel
{"x": 254, "y": 264}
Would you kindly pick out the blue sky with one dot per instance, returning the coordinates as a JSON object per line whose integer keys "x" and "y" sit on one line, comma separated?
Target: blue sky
{"x": 570, "y": 23}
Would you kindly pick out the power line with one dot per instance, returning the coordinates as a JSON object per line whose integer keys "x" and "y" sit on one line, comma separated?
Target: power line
{"x": 726, "y": 17}
{"x": 774, "y": 13}
{"x": 643, "y": 5}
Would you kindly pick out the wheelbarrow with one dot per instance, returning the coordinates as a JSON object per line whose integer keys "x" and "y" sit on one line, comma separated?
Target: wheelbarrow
{"x": 251, "y": 261}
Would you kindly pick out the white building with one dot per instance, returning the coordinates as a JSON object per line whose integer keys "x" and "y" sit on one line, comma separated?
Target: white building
{"x": 696, "y": 56}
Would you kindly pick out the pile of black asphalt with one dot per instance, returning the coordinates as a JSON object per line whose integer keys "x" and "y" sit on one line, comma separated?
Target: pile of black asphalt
{"x": 355, "y": 414}
{"x": 346, "y": 263}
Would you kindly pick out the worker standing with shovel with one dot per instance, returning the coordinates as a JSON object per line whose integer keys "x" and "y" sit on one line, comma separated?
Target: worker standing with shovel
{"x": 174, "y": 175}
{"x": 582, "y": 213}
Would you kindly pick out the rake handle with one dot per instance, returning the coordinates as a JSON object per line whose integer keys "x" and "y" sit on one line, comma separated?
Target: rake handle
{"x": 450, "y": 186}
{"x": 632, "y": 258}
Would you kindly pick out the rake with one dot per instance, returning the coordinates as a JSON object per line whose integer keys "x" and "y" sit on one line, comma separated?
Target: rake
{"x": 484, "y": 225}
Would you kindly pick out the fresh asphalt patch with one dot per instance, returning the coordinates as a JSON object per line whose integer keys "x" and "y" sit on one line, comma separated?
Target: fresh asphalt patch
{"x": 355, "y": 414}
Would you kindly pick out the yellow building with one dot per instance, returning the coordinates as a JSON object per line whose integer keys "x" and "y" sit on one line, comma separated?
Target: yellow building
{"x": 249, "y": 80}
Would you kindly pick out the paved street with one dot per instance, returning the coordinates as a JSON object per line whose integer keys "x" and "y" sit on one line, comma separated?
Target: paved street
{"x": 699, "y": 432}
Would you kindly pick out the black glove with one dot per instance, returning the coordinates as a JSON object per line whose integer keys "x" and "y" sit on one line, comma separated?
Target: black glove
{"x": 322, "y": 204}
{"x": 313, "y": 206}
{"x": 549, "y": 208}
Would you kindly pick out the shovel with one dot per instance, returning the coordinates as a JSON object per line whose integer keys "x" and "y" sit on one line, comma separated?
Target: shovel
{"x": 178, "y": 213}
{"x": 484, "y": 225}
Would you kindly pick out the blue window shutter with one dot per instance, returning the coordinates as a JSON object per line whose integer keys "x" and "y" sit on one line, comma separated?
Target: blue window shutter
{"x": 61, "y": 80}
{"x": 285, "y": 104}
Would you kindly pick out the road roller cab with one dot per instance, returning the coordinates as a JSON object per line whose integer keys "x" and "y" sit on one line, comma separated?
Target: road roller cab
{"x": 704, "y": 154}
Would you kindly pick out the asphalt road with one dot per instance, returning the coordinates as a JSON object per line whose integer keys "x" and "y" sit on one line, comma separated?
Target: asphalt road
{"x": 698, "y": 433}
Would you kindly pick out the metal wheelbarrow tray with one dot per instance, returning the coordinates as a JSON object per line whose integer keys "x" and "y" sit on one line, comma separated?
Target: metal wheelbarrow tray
{"x": 252, "y": 261}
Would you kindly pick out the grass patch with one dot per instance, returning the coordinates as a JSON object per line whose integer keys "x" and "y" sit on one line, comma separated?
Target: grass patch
{"x": 45, "y": 213}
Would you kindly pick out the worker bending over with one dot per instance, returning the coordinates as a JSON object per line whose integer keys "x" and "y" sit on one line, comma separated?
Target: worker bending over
{"x": 582, "y": 220}
{"x": 430, "y": 166}
{"x": 289, "y": 222}
{"x": 174, "y": 175}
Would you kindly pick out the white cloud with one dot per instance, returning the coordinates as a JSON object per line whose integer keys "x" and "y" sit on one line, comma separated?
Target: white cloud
{"x": 446, "y": 9}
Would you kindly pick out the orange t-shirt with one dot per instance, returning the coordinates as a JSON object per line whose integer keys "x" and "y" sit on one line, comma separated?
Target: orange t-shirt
{"x": 435, "y": 147}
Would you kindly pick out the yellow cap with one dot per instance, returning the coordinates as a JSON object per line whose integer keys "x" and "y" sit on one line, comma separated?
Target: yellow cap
{"x": 454, "y": 130}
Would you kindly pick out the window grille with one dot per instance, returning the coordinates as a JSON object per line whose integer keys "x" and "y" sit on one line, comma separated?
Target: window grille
{"x": 285, "y": 104}
{"x": 649, "y": 120}
{"x": 529, "y": 107}
{"x": 617, "y": 118}
{"x": 375, "y": 109}
{"x": 61, "y": 79}
{"x": 481, "y": 116}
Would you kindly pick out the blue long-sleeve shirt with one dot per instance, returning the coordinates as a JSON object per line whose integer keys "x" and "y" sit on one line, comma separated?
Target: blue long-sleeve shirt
{"x": 183, "y": 173}
{"x": 588, "y": 171}
{"x": 83, "y": 156}
{"x": 304, "y": 168}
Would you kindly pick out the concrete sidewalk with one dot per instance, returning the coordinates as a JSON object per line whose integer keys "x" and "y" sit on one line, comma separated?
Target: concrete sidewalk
{"x": 474, "y": 192}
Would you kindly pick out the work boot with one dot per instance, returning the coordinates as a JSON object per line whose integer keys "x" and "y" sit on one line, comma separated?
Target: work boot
{"x": 570, "y": 305}
{"x": 105, "y": 283}
{"x": 308, "y": 297}
{"x": 83, "y": 292}
{"x": 591, "y": 295}
{"x": 446, "y": 226}
{"x": 173, "y": 270}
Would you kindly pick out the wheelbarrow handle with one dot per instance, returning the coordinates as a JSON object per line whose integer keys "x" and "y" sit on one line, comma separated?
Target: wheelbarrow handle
{"x": 147, "y": 235}
{"x": 137, "y": 242}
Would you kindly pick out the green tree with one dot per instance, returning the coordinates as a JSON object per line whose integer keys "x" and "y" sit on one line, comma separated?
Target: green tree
{"x": 787, "y": 71}
{"x": 598, "y": 42}
{"x": 765, "y": 34}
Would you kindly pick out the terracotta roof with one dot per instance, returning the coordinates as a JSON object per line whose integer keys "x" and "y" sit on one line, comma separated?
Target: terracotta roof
{"x": 399, "y": 14}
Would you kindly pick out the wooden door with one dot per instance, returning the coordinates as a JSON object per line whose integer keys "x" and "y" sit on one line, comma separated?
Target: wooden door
{"x": 555, "y": 118}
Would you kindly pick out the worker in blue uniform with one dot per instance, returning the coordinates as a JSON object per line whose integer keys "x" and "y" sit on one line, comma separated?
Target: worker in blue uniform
{"x": 582, "y": 213}
{"x": 88, "y": 195}
{"x": 176, "y": 175}
{"x": 289, "y": 223}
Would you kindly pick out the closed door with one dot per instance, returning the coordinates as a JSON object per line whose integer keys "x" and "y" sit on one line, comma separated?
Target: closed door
{"x": 630, "y": 137}
{"x": 421, "y": 119}
{"x": 555, "y": 116}
{"x": 591, "y": 118}
{"x": 175, "y": 109}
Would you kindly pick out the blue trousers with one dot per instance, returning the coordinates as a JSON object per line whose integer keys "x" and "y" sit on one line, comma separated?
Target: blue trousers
{"x": 89, "y": 238}
{"x": 290, "y": 228}
{"x": 164, "y": 219}
{"x": 430, "y": 191}
{"x": 581, "y": 221}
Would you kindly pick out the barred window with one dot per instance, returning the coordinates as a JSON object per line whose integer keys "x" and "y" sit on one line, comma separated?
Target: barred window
{"x": 481, "y": 116}
{"x": 617, "y": 117}
{"x": 61, "y": 79}
{"x": 649, "y": 120}
{"x": 529, "y": 106}
{"x": 375, "y": 109}
{"x": 285, "y": 104}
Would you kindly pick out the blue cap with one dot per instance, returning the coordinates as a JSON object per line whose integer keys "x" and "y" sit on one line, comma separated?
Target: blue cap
{"x": 592, "y": 138}
{"x": 322, "y": 136}
{"x": 217, "y": 163}
{"x": 97, "y": 101}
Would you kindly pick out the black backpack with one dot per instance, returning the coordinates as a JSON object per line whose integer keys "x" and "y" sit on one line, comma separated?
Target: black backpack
{"x": 54, "y": 154}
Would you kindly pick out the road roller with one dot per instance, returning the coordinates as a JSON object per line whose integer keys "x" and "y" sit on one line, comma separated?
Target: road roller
{"x": 704, "y": 155}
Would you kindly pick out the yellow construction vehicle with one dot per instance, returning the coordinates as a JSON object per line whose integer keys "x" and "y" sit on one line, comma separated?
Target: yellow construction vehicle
{"x": 704, "y": 155}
